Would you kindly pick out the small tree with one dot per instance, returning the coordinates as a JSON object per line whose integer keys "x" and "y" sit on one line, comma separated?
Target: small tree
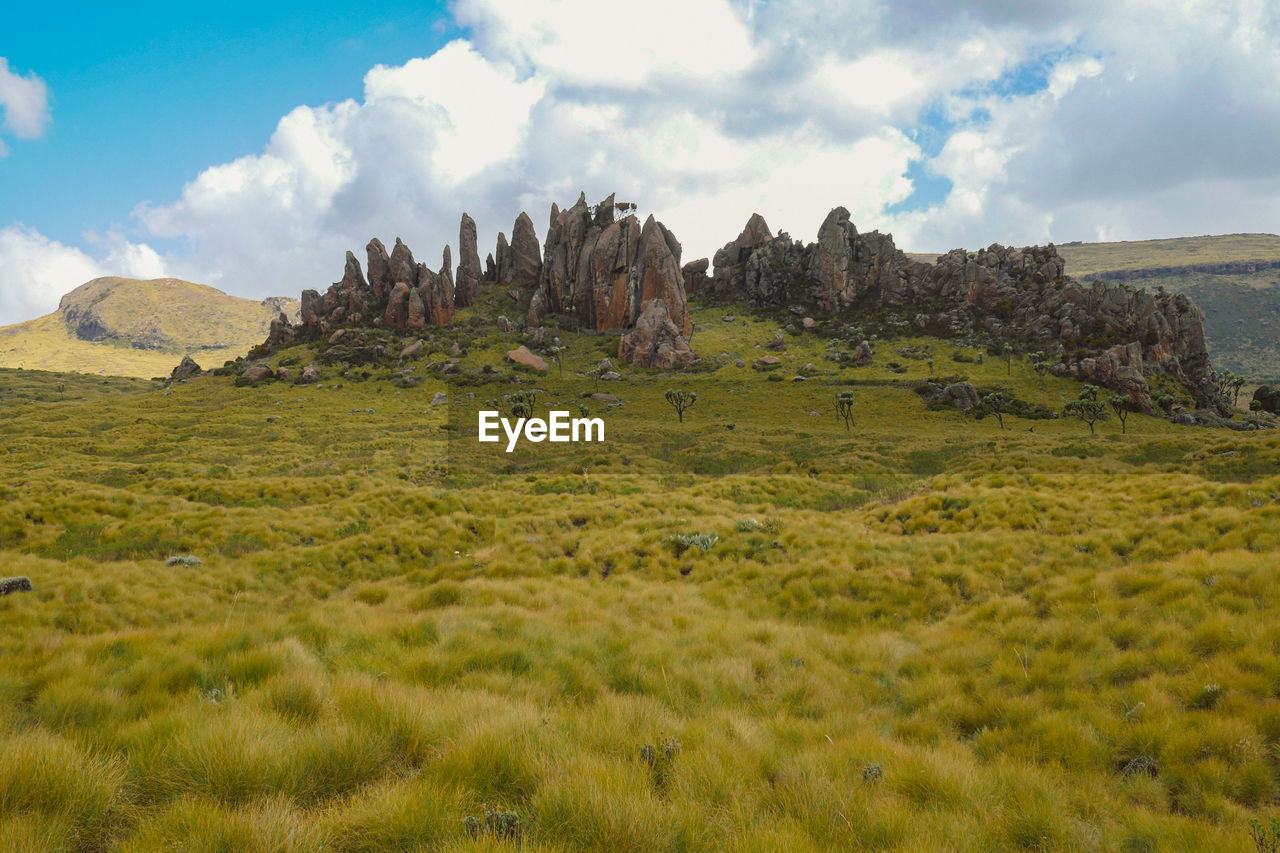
{"x": 844, "y": 408}
{"x": 521, "y": 403}
{"x": 681, "y": 400}
{"x": 1087, "y": 407}
{"x": 1040, "y": 363}
{"x": 1229, "y": 385}
{"x": 996, "y": 404}
{"x": 557, "y": 356}
{"x": 1122, "y": 406}
{"x": 1166, "y": 403}
{"x": 1006, "y": 352}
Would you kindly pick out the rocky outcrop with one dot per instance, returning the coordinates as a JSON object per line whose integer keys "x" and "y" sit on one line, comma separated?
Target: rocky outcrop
{"x": 400, "y": 293}
{"x": 1111, "y": 334}
{"x": 525, "y": 255}
{"x": 1266, "y": 399}
{"x": 186, "y": 369}
{"x": 729, "y": 260}
{"x": 656, "y": 340}
{"x": 695, "y": 275}
{"x": 604, "y": 272}
{"x": 470, "y": 273}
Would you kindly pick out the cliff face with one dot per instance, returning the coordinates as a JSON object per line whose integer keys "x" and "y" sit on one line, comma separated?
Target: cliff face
{"x": 1115, "y": 335}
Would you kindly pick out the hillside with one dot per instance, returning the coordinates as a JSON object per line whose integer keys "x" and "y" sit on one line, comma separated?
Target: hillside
{"x": 128, "y": 327}
{"x": 750, "y": 630}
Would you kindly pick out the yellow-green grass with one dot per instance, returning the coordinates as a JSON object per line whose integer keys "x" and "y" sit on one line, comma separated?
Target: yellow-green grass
{"x": 151, "y": 325}
{"x": 1087, "y": 258}
{"x": 926, "y": 633}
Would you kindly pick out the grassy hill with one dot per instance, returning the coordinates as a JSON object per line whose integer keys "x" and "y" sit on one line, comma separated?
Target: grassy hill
{"x": 127, "y": 327}
{"x": 753, "y": 630}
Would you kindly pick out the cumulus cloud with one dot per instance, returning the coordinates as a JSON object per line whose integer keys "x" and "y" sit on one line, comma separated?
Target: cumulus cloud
{"x": 25, "y": 103}
{"x": 37, "y": 271}
{"x": 1082, "y": 119}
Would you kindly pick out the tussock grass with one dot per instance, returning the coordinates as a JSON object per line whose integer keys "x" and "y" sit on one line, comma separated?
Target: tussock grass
{"x": 927, "y": 633}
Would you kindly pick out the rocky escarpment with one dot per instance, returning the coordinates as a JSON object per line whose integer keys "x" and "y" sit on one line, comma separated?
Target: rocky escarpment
{"x": 1110, "y": 334}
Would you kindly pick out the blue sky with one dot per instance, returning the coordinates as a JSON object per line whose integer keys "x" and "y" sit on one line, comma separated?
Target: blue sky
{"x": 145, "y": 97}
{"x": 249, "y": 146}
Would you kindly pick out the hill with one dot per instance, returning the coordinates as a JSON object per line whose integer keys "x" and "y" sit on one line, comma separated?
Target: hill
{"x": 751, "y": 629}
{"x": 128, "y": 327}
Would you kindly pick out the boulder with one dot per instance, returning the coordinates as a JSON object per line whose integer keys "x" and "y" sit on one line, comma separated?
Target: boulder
{"x": 777, "y": 342}
{"x": 695, "y": 276}
{"x": 504, "y": 324}
{"x": 656, "y": 340}
{"x": 439, "y": 398}
{"x": 522, "y": 355}
{"x": 467, "y": 286}
{"x": 962, "y": 395}
{"x": 310, "y": 374}
{"x": 605, "y": 398}
{"x": 256, "y": 373}
{"x": 185, "y": 370}
{"x": 766, "y": 362}
{"x": 412, "y": 349}
{"x": 1267, "y": 399}
{"x": 312, "y": 307}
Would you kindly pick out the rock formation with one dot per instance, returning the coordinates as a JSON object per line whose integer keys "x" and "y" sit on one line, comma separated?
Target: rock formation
{"x": 469, "y": 271}
{"x": 1110, "y": 334}
{"x": 655, "y": 341}
{"x": 400, "y": 293}
{"x": 604, "y": 272}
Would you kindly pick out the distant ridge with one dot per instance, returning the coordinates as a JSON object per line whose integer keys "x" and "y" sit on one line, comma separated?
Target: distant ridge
{"x": 130, "y": 327}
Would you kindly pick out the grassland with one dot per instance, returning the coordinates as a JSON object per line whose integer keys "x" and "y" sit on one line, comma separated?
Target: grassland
{"x": 926, "y": 633}
{"x": 147, "y": 327}
{"x": 1087, "y": 258}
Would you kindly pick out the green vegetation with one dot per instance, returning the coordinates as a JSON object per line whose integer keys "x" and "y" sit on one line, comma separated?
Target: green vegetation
{"x": 924, "y": 636}
{"x": 681, "y": 400}
{"x": 145, "y": 327}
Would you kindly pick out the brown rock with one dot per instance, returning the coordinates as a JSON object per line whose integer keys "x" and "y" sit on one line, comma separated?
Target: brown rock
{"x": 605, "y": 398}
{"x": 397, "y": 313}
{"x": 656, "y": 275}
{"x": 185, "y": 370}
{"x": 504, "y": 324}
{"x": 729, "y": 260}
{"x": 412, "y": 349}
{"x": 309, "y": 375}
{"x": 337, "y": 336}
{"x": 655, "y": 341}
{"x": 863, "y": 354}
{"x": 694, "y": 274}
{"x": 402, "y": 265}
{"x": 766, "y": 362}
{"x": 525, "y": 254}
{"x": 467, "y": 286}
{"x": 380, "y": 282}
{"x": 256, "y": 373}
{"x": 522, "y": 355}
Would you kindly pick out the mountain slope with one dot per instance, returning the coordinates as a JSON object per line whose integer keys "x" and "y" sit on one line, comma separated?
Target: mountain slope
{"x": 128, "y": 327}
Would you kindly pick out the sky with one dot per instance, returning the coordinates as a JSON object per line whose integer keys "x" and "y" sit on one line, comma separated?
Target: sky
{"x": 249, "y": 147}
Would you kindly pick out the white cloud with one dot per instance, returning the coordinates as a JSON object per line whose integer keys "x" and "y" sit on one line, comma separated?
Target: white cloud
{"x": 35, "y": 271}
{"x": 25, "y": 102}
{"x": 1072, "y": 120}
